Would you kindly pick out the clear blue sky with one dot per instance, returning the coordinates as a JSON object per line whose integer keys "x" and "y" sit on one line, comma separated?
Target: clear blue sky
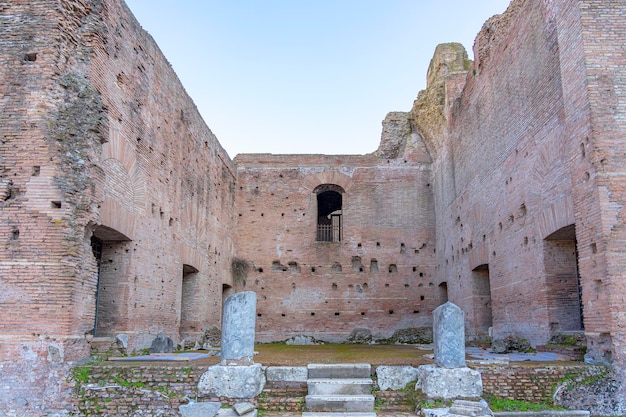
{"x": 306, "y": 76}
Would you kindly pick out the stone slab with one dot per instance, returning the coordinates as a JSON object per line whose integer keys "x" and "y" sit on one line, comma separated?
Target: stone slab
{"x": 340, "y": 386}
{"x": 336, "y": 414}
{"x": 232, "y": 381}
{"x": 471, "y": 408}
{"x": 204, "y": 409}
{"x": 547, "y": 413}
{"x": 229, "y": 412}
{"x": 340, "y": 403}
{"x": 435, "y": 412}
{"x": 243, "y": 408}
{"x": 176, "y": 357}
{"x": 438, "y": 382}
{"x": 339, "y": 370}
{"x": 286, "y": 373}
{"x": 395, "y": 377}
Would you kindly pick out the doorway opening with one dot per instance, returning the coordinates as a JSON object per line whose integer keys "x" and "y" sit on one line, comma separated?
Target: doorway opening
{"x": 565, "y": 308}
{"x": 442, "y": 293}
{"x": 481, "y": 300}
{"x": 190, "y": 301}
{"x": 110, "y": 250}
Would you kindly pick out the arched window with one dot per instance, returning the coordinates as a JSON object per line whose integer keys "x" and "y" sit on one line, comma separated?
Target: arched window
{"x": 329, "y": 213}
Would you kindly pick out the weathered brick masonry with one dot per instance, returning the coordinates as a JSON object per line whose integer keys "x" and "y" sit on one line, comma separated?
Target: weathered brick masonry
{"x": 528, "y": 175}
{"x": 501, "y": 190}
{"x": 111, "y": 390}
{"x": 102, "y": 151}
{"x": 377, "y": 278}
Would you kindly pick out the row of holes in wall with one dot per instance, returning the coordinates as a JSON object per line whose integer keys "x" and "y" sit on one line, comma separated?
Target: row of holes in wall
{"x": 336, "y": 267}
{"x": 358, "y": 287}
{"x": 378, "y": 245}
{"x": 337, "y": 313}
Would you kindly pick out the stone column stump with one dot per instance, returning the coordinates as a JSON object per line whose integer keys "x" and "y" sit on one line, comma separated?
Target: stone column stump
{"x": 237, "y": 376}
{"x": 448, "y": 377}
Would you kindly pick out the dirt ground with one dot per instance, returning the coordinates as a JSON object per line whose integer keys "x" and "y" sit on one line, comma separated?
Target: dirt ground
{"x": 279, "y": 354}
{"x": 301, "y": 355}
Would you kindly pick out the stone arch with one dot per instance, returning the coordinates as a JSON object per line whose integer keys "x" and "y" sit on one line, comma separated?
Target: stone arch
{"x": 328, "y": 177}
{"x": 556, "y": 216}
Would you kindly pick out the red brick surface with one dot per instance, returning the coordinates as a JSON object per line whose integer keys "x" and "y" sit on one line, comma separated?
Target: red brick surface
{"x": 97, "y": 136}
{"x": 532, "y": 150}
{"x": 387, "y": 220}
{"x": 158, "y": 390}
{"x": 502, "y": 191}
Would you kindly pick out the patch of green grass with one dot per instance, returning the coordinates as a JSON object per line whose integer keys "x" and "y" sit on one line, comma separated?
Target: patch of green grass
{"x": 378, "y": 402}
{"x": 128, "y": 384}
{"x": 438, "y": 403}
{"x": 165, "y": 390}
{"x": 81, "y": 374}
{"x": 592, "y": 379}
{"x": 141, "y": 352}
{"x": 572, "y": 380}
{"x": 505, "y": 404}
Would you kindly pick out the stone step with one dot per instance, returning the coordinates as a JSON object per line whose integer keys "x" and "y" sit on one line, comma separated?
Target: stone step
{"x": 340, "y": 386}
{"x": 338, "y": 370}
{"x": 340, "y": 403}
{"x": 337, "y": 414}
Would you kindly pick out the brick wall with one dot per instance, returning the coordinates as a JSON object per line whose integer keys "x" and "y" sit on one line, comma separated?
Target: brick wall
{"x": 111, "y": 390}
{"x": 99, "y": 139}
{"x": 502, "y": 167}
{"x": 122, "y": 390}
{"x": 525, "y": 163}
{"x": 515, "y": 173}
{"x": 511, "y": 177}
{"x": 379, "y": 277}
{"x": 158, "y": 390}
{"x": 530, "y": 384}
{"x": 177, "y": 187}
{"x": 603, "y": 38}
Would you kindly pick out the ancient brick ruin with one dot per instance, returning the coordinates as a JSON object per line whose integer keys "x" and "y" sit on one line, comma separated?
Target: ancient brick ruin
{"x": 501, "y": 190}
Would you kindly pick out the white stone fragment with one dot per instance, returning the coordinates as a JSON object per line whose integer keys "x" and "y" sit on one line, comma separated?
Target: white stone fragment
{"x": 232, "y": 381}
{"x": 437, "y": 382}
{"x": 287, "y": 373}
{"x": 395, "y": 377}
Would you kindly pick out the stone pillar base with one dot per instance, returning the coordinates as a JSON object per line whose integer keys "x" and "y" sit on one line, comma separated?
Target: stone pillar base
{"x": 232, "y": 381}
{"x": 444, "y": 383}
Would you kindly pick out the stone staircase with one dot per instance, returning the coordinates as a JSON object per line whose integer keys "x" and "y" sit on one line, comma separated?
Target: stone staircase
{"x": 339, "y": 390}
